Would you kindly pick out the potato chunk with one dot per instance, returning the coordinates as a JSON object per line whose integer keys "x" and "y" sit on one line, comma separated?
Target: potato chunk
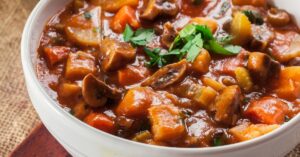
{"x": 201, "y": 63}
{"x": 267, "y": 110}
{"x": 250, "y": 131}
{"x": 84, "y": 29}
{"x": 226, "y": 105}
{"x": 289, "y": 83}
{"x": 241, "y": 29}
{"x": 166, "y": 123}
{"x": 68, "y": 90}
{"x": 79, "y": 64}
{"x": 244, "y": 79}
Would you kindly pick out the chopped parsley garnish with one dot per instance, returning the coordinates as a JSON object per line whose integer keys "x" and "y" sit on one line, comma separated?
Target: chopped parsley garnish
{"x": 87, "y": 15}
{"x": 138, "y": 38}
{"x": 189, "y": 43}
{"x": 192, "y": 38}
{"x": 254, "y": 17}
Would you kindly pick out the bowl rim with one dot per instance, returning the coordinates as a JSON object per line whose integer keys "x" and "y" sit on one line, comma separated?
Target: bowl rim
{"x": 29, "y": 70}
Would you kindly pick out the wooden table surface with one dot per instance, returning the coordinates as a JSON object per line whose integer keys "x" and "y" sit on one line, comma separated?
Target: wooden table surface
{"x": 17, "y": 116}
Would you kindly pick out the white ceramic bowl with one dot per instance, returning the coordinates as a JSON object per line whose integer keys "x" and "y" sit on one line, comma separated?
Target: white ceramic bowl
{"x": 82, "y": 140}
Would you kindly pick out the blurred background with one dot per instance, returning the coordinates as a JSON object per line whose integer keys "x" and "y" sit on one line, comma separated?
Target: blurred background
{"x": 17, "y": 116}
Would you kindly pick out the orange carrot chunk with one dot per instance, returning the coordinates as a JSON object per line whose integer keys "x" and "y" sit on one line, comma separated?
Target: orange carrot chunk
{"x": 101, "y": 122}
{"x": 131, "y": 75}
{"x": 135, "y": 103}
{"x": 126, "y": 15}
{"x": 267, "y": 110}
{"x": 56, "y": 54}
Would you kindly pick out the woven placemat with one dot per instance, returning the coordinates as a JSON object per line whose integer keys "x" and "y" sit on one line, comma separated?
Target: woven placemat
{"x": 17, "y": 116}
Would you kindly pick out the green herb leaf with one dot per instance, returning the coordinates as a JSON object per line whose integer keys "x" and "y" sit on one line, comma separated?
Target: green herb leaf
{"x": 233, "y": 49}
{"x": 205, "y": 31}
{"x": 128, "y": 33}
{"x": 194, "y": 50}
{"x": 254, "y": 17}
{"x": 139, "y": 38}
{"x": 215, "y": 47}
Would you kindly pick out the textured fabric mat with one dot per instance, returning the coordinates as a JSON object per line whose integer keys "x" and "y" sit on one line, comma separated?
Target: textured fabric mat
{"x": 17, "y": 116}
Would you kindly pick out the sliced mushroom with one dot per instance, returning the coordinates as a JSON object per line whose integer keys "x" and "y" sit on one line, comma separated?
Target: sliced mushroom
{"x": 278, "y": 17}
{"x": 153, "y": 8}
{"x": 116, "y": 54}
{"x": 262, "y": 67}
{"x": 167, "y": 75}
{"x": 168, "y": 35}
{"x": 96, "y": 92}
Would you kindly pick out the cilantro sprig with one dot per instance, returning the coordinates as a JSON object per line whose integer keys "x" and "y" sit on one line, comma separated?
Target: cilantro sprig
{"x": 189, "y": 43}
{"x": 192, "y": 38}
{"x": 138, "y": 38}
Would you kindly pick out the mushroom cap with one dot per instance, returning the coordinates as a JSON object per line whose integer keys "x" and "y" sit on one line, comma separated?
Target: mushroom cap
{"x": 96, "y": 92}
{"x": 167, "y": 75}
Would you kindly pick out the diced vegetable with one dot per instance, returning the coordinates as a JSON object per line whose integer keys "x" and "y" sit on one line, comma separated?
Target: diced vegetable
{"x": 167, "y": 75}
{"x": 84, "y": 29}
{"x": 243, "y": 78}
{"x": 101, "y": 122}
{"x": 157, "y": 7}
{"x": 56, "y": 54}
{"x": 96, "y": 92}
{"x": 135, "y": 103}
{"x": 79, "y": 64}
{"x": 201, "y": 130}
{"x": 257, "y": 3}
{"x": 267, "y": 110}
{"x": 240, "y": 29}
{"x": 116, "y": 54}
{"x": 126, "y": 15}
{"x": 286, "y": 46}
{"x": 205, "y": 97}
{"x": 262, "y": 67}
{"x": 114, "y": 5}
{"x": 68, "y": 90}
{"x": 80, "y": 110}
{"x": 226, "y": 105}
{"x": 262, "y": 36}
{"x": 142, "y": 136}
{"x": 166, "y": 123}
{"x": 210, "y": 23}
{"x": 289, "y": 83}
{"x": 201, "y": 63}
{"x": 132, "y": 74}
{"x": 213, "y": 84}
{"x": 246, "y": 132}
